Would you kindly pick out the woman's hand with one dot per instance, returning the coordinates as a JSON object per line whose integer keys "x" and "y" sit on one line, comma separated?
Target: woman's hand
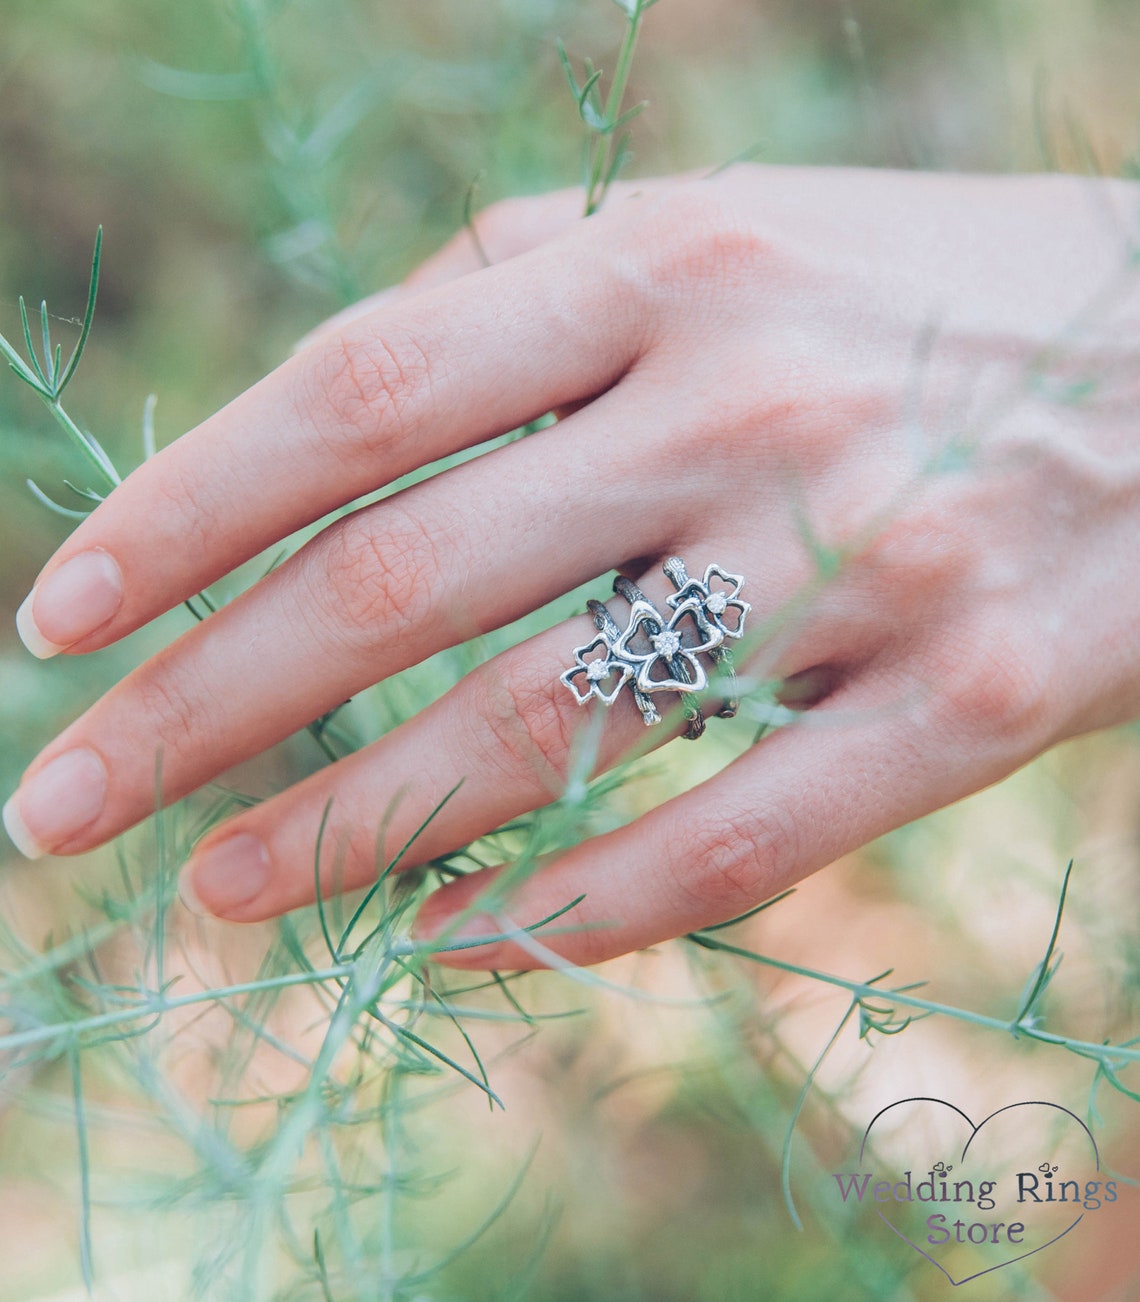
{"x": 905, "y": 407}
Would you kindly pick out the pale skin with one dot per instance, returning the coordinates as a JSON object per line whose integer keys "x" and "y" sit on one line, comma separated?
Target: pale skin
{"x": 898, "y": 360}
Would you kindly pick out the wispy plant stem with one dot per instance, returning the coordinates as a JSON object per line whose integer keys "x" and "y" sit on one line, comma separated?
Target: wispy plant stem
{"x": 1110, "y": 1055}
{"x": 158, "y": 1004}
{"x": 606, "y": 143}
{"x": 94, "y": 454}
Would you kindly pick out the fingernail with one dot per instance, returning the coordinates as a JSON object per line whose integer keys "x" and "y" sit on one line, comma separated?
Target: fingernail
{"x": 225, "y": 876}
{"x": 71, "y": 602}
{"x": 56, "y": 803}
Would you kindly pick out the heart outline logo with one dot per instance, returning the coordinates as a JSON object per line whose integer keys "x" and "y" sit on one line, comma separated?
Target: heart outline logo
{"x": 974, "y": 1131}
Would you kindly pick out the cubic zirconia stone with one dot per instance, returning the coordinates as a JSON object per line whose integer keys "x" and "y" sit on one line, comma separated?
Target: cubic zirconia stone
{"x": 666, "y": 643}
{"x": 717, "y": 603}
{"x": 596, "y": 670}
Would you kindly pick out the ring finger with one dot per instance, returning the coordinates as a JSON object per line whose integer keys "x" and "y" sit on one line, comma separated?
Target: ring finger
{"x": 500, "y": 742}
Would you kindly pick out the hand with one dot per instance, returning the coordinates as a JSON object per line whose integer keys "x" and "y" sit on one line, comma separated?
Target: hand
{"x": 930, "y": 379}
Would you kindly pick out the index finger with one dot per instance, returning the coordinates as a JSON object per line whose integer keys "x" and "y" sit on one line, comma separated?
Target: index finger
{"x": 392, "y": 392}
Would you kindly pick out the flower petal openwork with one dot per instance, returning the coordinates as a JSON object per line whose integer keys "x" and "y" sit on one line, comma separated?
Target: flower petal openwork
{"x": 718, "y": 604}
{"x": 603, "y": 677}
{"x": 665, "y": 649}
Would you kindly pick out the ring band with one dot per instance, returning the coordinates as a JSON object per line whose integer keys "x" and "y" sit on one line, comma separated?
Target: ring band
{"x": 659, "y": 653}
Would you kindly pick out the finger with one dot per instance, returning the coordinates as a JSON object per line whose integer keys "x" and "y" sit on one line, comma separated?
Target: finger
{"x": 396, "y": 391}
{"x": 495, "y": 746}
{"x": 861, "y": 764}
{"x": 502, "y": 231}
{"x": 376, "y": 592}
{"x": 501, "y": 742}
{"x": 339, "y": 321}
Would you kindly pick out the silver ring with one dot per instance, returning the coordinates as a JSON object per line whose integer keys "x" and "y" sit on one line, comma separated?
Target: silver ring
{"x": 661, "y": 653}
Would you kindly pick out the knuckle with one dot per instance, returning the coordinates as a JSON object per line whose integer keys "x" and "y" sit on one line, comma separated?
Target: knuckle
{"x": 376, "y": 575}
{"x": 727, "y": 862}
{"x": 174, "y": 713}
{"x": 363, "y": 392}
{"x": 786, "y": 411}
{"x": 524, "y": 723}
{"x": 916, "y": 562}
{"x": 698, "y": 236}
{"x": 998, "y": 690}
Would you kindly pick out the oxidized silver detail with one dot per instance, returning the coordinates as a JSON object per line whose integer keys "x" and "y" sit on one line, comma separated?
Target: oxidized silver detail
{"x": 658, "y": 653}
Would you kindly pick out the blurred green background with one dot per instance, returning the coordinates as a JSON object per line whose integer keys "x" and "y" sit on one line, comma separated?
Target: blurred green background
{"x": 255, "y": 166}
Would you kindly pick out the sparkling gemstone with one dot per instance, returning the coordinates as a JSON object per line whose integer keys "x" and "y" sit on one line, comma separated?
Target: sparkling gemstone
{"x": 596, "y": 670}
{"x": 666, "y": 643}
{"x": 717, "y": 603}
